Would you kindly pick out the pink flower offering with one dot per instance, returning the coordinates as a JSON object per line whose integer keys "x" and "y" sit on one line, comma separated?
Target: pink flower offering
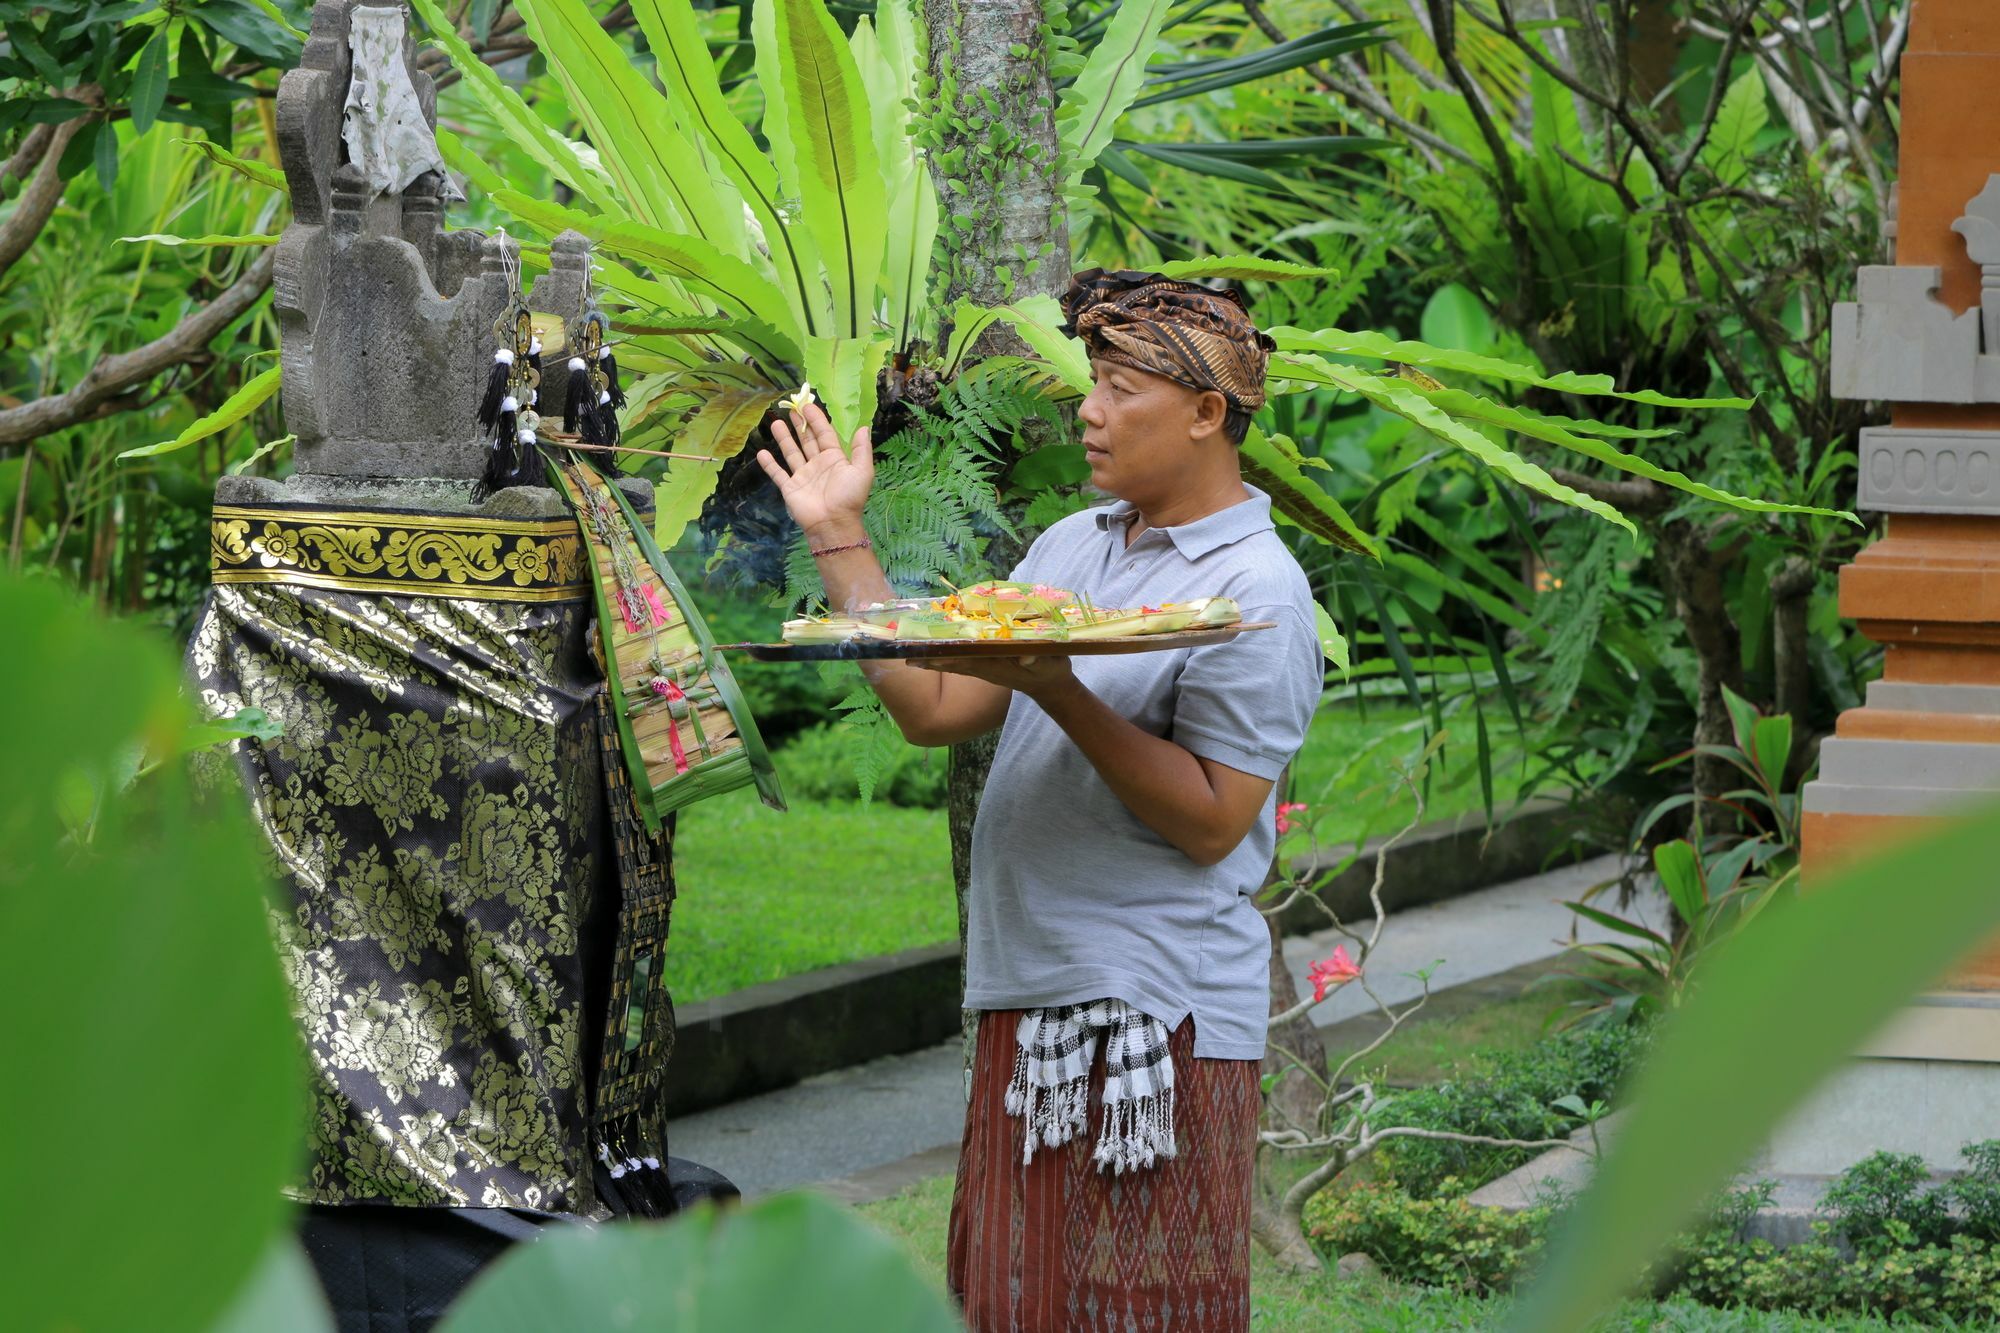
{"x": 1286, "y": 809}
{"x": 1331, "y": 973}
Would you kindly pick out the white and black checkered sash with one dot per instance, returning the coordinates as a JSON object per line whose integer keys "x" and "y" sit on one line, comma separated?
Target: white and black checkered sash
{"x": 1050, "y": 1089}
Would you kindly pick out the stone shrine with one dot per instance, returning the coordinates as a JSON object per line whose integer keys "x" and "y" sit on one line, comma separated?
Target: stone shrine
{"x": 1925, "y": 338}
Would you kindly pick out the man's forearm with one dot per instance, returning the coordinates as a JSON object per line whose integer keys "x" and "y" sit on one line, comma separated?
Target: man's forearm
{"x": 852, "y": 578}
{"x": 1160, "y": 782}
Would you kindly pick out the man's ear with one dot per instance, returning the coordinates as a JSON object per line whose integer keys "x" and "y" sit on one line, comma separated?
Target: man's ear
{"x": 1211, "y": 409}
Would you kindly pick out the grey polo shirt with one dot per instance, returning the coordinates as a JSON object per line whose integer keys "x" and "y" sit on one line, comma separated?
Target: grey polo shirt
{"x": 1072, "y": 897}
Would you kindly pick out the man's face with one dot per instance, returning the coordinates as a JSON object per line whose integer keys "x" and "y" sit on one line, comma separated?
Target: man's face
{"x": 1140, "y": 430}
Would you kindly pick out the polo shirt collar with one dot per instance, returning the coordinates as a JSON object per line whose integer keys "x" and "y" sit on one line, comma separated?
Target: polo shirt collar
{"x": 1195, "y": 540}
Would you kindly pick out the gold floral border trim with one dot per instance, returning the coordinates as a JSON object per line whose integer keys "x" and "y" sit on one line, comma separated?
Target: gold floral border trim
{"x": 409, "y": 555}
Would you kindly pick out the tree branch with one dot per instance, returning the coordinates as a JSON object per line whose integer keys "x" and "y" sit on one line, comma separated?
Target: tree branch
{"x": 1444, "y": 27}
{"x": 38, "y": 201}
{"x": 1640, "y": 495}
{"x": 114, "y": 375}
{"x": 33, "y": 145}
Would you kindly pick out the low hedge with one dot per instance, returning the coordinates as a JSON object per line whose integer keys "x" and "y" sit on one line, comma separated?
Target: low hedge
{"x": 1505, "y": 1095}
{"x": 1890, "y": 1243}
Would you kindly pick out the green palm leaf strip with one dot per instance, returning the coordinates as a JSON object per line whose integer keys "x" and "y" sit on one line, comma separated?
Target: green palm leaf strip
{"x": 1400, "y": 397}
{"x": 1340, "y": 342}
{"x": 1716, "y": 1086}
{"x": 263, "y": 173}
{"x": 641, "y": 140}
{"x": 840, "y": 187}
{"x": 1554, "y": 430}
{"x": 236, "y": 407}
{"x": 1273, "y": 468}
{"x": 1243, "y": 268}
{"x": 886, "y": 56}
{"x": 1038, "y": 319}
{"x": 680, "y": 54}
{"x": 524, "y": 128}
{"x": 168, "y": 238}
{"x": 1109, "y": 81}
{"x": 722, "y": 278}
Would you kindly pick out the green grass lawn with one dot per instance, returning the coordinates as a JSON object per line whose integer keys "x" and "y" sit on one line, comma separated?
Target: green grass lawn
{"x": 1430, "y": 1047}
{"x": 1346, "y": 772}
{"x": 1284, "y": 1302}
{"x": 764, "y": 895}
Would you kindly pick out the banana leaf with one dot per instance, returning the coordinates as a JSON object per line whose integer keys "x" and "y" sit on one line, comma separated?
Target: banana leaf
{"x": 680, "y": 55}
{"x": 886, "y": 55}
{"x": 717, "y": 431}
{"x": 830, "y": 131}
{"x": 1110, "y": 80}
{"x": 640, "y": 136}
{"x": 721, "y": 278}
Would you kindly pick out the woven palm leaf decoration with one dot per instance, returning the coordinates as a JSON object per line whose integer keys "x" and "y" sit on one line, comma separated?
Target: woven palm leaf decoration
{"x": 687, "y": 732}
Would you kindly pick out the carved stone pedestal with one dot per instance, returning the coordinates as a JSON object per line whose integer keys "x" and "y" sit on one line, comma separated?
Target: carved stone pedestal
{"x": 1925, "y": 336}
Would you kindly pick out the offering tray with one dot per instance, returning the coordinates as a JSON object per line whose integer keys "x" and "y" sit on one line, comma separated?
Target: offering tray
{"x": 876, "y": 650}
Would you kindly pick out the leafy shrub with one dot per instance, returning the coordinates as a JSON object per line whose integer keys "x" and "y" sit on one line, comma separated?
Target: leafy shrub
{"x": 1905, "y": 1261}
{"x": 1977, "y": 1192}
{"x": 1958, "y": 1281}
{"x": 1886, "y": 1201}
{"x": 818, "y": 764}
{"x": 1437, "y": 1242}
{"x": 1507, "y": 1095}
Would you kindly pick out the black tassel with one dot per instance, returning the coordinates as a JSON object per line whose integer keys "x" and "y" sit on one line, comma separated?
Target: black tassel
{"x": 610, "y": 366}
{"x": 591, "y": 428}
{"x": 535, "y": 355}
{"x": 576, "y": 395}
{"x": 502, "y": 461}
{"x": 496, "y": 388}
{"x": 607, "y": 417}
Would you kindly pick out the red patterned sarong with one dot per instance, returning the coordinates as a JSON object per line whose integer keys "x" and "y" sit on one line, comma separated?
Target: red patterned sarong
{"x": 1058, "y": 1247}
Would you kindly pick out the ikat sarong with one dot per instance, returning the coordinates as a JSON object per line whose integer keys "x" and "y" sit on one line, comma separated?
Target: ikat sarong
{"x": 1057, "y": 1246}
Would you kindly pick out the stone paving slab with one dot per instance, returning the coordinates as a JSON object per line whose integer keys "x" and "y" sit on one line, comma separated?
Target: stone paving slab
{"x": 874, "y": 1129}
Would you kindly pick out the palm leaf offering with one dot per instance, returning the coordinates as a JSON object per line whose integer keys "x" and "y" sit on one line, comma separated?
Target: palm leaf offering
{"x": 1012, "y": 612}
{"x": 685, "y": 728}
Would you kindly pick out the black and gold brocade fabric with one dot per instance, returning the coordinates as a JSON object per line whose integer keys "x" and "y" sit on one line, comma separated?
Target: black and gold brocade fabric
{"x": 436, "y": 814}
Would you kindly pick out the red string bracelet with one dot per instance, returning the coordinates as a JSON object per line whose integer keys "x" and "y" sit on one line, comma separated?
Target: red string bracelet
{"x": 863, "y": 545}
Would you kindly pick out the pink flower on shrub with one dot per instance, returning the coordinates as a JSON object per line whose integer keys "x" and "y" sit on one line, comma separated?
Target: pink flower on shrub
{"x": 1286, "y": 809}
{"x": 1330, "y": 973}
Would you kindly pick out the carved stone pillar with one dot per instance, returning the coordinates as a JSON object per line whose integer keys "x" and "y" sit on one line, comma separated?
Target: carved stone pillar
{"x": 1928, "y": 739}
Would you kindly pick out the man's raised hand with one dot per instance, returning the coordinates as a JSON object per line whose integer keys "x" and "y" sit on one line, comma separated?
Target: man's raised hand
{"x": 824, "y": 485}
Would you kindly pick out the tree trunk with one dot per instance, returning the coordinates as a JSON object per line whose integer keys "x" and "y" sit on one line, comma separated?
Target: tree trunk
{"x": 1791, "y": 642}
{"x": 1294, "y": 1099}
{"x": 984, "y": 169}
{"x": 1693, "y": 572}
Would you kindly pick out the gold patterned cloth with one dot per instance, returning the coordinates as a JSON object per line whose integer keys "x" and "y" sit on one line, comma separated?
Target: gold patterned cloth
{"x": 1191, "y": 334}
{"x": 436, "y": 814}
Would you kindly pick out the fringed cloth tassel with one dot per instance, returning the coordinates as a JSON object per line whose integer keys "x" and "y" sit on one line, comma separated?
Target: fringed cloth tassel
{"x": 1050, "y": 1089}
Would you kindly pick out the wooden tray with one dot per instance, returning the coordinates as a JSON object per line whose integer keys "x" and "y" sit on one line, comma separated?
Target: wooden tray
{"x": 876, "y": 650}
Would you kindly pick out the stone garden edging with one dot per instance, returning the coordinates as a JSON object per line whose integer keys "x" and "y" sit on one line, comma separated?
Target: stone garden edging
{"x": 777, "y": 1033}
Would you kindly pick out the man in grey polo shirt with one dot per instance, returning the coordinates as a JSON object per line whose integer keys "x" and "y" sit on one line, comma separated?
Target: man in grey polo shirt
{"x": 1125, "y": 827}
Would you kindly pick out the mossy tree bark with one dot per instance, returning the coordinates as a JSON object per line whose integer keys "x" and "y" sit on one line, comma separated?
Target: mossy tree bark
{"x": 995, "y": 160}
